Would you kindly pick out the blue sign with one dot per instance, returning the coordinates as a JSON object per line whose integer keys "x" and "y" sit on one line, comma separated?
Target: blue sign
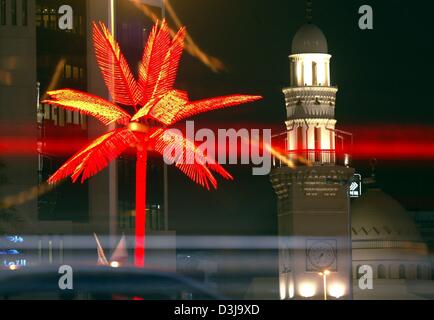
{"x": 12, "y": 252}
{"x": 15, "y": 239}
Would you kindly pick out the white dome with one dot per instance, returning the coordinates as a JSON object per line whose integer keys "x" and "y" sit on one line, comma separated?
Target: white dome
{"x": 309, "y": 39}
{"x": 377, "y": 216}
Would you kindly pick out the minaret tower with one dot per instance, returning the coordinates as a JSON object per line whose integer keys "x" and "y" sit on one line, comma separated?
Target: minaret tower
{"x": 313, "y": 195}
{"x": 310, "y": 100}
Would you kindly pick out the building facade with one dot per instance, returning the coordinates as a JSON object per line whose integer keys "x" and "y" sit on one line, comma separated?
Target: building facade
{"x": 40, "y": 51}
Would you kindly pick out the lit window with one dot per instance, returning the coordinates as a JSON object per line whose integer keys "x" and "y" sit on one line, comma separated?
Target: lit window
{"x": 76, "y": 116}
{"x": 68, "y": 71}
{"x": 314, "y": 73}
{"x": 61, "y": 117}
{"x": 82, "y": 75}
{"x": 53, "y": 19}
{"x": 68, "y": 116}
{"x": 45, "y": 17}
{"x": 47, "y": 112}
{"x": 75, "y": 73}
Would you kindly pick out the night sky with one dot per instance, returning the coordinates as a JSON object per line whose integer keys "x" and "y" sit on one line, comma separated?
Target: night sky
{"x": 385, "y": 77}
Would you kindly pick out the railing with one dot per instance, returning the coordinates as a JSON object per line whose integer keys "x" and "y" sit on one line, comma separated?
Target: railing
{"x": 313, "y": 157}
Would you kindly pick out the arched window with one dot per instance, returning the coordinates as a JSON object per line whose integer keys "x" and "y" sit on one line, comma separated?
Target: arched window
{"x": 381, "y": 272}
{"x": 317, "y": 144}
{"x": 401, "y": 271}
{"x": 314, "y": 73}
{"x": 419, "y": 272}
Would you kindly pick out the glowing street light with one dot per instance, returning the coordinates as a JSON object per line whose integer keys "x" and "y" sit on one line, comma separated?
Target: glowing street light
{"x": 13, "y": 267}
{"x": 324, "y": 275}
{"x": 337, "y": 290}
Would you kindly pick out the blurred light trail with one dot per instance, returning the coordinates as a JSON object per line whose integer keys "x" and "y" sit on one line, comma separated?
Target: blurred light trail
{"x": 388, "y": 150}
{"x": 388, "y": 142}
{"x": 190, "y": 45}
{"x": 55, "y": 79}
{"x": 24, "y": 196}
{"x": 203, "y": 242}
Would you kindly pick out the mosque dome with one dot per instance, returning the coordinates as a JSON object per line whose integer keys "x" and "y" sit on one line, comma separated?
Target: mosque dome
{"x": 309, "y": 39}
{"x": 385, "y": 237}
{"x": 377, "y": 216}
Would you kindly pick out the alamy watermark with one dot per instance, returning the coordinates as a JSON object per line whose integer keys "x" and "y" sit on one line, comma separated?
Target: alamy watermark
{"x": 366, "y": 21}
{"x": 66, "y": 280}
{"x": 227, "y": 146}
{"x": 366, "y": 277}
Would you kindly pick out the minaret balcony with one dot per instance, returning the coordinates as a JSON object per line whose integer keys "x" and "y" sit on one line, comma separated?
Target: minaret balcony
{"x": 308, "y": 157}
{"x": 310, "y": 102}
{"x": 294, "y": 94}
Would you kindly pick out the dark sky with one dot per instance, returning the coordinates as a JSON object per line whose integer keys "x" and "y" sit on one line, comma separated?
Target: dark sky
{"x": 385, "y": 76}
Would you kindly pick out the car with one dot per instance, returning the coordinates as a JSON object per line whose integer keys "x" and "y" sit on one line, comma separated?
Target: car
{"x": 100, "y": 283}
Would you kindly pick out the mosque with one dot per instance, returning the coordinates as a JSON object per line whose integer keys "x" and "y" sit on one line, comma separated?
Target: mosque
{"x": 333, "y": 236}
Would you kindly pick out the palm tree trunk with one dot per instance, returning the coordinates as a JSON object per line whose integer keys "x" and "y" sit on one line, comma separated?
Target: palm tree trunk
{"x": 139, "y": 253}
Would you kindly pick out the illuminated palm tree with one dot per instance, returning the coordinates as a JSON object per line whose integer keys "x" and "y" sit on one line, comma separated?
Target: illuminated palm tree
{"x": 157, "y": 106}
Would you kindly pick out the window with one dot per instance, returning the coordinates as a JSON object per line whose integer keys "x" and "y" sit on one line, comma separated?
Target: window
{"x": 3, "y": 12}
{"x": 300, "y": 140}
{"x": 45, "y": 17}
{"x": 317, "y": 144}
{"x": 75, "y": 73}
{"x": 38, "y": 11}
{"x": 419, "y": 272}
{"x": 381, "y": 272}
{"x": 68, "y": 116}
{"x": 53, "y": 19}
{"x": 68, "y": 71}
{"x": 14, "y": 12}
{"x": 314, "y": 73}
{"x": 24, "y": 15}
{"x": 401, "y": 272}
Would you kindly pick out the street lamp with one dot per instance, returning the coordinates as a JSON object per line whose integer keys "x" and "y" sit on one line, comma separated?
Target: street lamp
{"x": 324, "y": 275}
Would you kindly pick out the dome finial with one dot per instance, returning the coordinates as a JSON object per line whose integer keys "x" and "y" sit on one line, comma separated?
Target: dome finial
{"x": 309, "y": 11}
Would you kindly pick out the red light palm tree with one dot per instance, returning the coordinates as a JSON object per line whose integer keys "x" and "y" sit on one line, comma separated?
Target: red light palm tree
{"x": 157, "y": 107}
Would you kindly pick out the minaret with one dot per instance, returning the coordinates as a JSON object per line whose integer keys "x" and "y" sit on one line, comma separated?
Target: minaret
{"x": 313, "y": 196}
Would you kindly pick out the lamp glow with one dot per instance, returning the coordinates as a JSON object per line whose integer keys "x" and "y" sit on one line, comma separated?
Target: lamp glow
{"x": 337, "y": 290}
{"x": 307, "y": 290}
{"x": 282, "y": 288}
